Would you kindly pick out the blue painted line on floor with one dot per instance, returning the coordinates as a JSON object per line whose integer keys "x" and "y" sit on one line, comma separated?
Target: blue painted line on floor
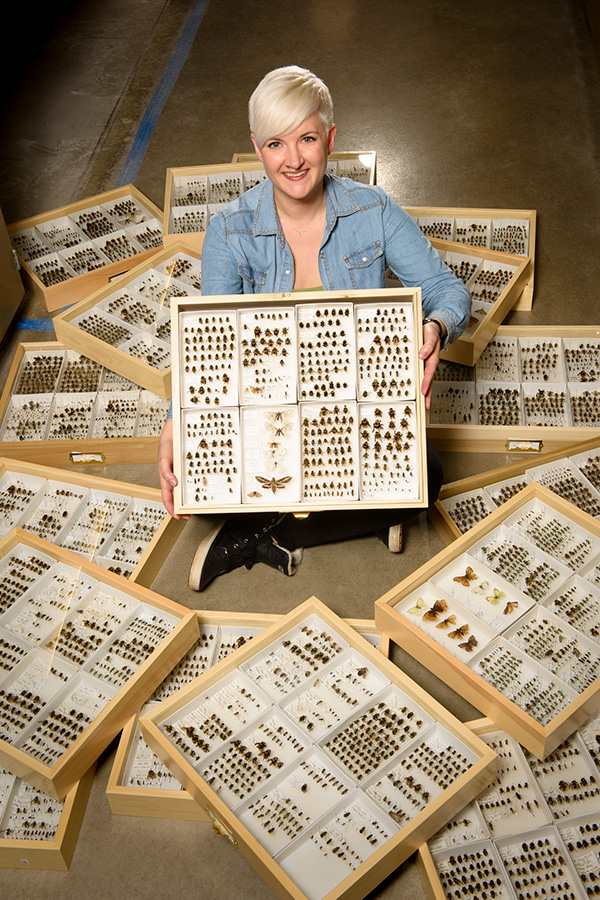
{"x": 35, "y": 325}
{"x": 136, "y": 155}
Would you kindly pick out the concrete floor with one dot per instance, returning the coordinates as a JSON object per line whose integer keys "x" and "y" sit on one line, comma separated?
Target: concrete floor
{"x": 466, "y": 104}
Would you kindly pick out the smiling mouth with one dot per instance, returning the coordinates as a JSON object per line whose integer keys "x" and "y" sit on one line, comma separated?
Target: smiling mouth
{"x": 294, "y": 176}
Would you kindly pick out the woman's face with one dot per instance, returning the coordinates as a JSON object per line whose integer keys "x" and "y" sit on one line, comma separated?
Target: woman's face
{"x": 295, "y": 162}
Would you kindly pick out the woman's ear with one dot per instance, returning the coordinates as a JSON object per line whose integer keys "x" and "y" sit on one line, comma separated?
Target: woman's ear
{"x": 331, "y": 139}
{"x": 256, "y": 148}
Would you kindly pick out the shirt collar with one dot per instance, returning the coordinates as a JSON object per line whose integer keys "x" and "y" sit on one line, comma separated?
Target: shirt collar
{"x": 338, "y": 201}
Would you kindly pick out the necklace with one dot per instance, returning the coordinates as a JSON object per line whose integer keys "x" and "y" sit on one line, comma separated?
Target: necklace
{"x": 308, "y": 227}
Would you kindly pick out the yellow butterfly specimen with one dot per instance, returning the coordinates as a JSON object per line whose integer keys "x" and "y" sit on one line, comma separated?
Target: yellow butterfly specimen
{"x": 469, "y": 645}
{"x": 466, "y": 579}
{"x": 419, "y": 606}
{"x": 459, "y": 632}
{"x": 439, "y": 607}
{"x": 495, "y": 597}
{"x": 451, "y": 620}
{"x": 510, "y": 606}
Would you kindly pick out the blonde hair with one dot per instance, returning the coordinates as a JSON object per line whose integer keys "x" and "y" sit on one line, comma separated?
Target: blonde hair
{"x": 284, "y": 98}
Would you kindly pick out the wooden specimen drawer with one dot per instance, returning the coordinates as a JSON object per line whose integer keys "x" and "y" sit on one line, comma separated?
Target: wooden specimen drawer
{"x": 71, "y": 251}
{"x": 139, "y": 783}
{"x": 491, "y": 616}
{"x": 506, "y": 230}
{"x": 324, "y": 799}
{"x": 126, "y": 325}
{"x": 37, "y": 831}
{"x": 533, "y": 387}
{"x": 82, "y": 649}
{"x": 69, "y": 509}
{"x": 495, "y": 280}
{"x": 572, "y": 473}
{"x": 283, "y": 403}
{"x": 534, "y": 831}
{"x": 61, "y": 408}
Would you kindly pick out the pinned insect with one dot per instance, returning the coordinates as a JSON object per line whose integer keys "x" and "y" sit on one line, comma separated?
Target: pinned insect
{"x": 416, "y": 609}
{"x": 495, "y": 597}
{"x": 483, "y": 587}
{"x": 278, "y": 422}
{"x": 510, "y": 606}
{"x": 451, "y": 620}
{"x": 467, "y": 578}
{"x": 274, "y": 484}
{"x": 439, "y": 607}
{"x": 469, "y": 645}
{"x": 459, "y": 632}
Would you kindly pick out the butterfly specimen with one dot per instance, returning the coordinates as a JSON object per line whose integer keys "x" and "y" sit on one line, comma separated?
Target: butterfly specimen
{"x": 469, "y": 645}
{"x": 459, "y": 632}
{"x": 278, "y": 422}
{"x": 255, "y": 494}
{"x": 451, "y": 620}
{"x": 440, "y": 606}
{"x": 466, "y": 579}
{"x": 274, "y": 484}
{"x": 416, "y": 610}
{"x": 510, "y": 606}
{"x": 483, "y": 587}
{"x": 495, "y": 597}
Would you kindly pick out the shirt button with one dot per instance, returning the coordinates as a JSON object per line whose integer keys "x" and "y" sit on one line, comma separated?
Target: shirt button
{"x": 364, "y": 258}
{"x": 288, "y": 271}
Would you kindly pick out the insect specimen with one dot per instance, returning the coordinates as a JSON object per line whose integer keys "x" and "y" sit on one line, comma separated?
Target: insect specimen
{"x": 440, "y": 606}
{"x": 466, "y": 578}
{"x": 273, "y": 484}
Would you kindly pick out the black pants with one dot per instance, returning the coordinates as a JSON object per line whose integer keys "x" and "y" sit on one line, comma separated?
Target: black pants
{"x": 337, "y": 525}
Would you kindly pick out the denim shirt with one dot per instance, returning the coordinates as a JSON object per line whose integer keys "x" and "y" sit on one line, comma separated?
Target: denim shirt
{"x": 245, "y": 251}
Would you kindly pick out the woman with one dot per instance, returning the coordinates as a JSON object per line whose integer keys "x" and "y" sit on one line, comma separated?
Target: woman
{"x": 303, "y": 229}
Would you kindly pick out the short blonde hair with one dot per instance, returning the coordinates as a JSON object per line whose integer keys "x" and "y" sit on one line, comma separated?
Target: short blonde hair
{"x": 284, "y": 98}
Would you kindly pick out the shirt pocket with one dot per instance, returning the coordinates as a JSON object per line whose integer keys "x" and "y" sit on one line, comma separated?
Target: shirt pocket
{"x": 252, "y": 279}
{"x": 366, "y": 267}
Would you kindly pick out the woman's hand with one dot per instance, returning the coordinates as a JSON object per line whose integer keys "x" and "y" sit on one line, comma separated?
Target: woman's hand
{"x": 168, "y": 480}
{"x": 430, "y": 352}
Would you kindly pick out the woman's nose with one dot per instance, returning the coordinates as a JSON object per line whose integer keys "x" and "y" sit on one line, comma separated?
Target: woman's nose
{"x": 293, "y": 157}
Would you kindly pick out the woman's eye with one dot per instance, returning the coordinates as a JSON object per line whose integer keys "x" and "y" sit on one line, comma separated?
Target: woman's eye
{"x": 274, "y": 145}
{"x": 309, "y": 138}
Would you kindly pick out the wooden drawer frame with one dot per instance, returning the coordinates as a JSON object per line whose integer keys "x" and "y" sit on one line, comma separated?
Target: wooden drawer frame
{"x": 525, "y": 301}
{"x": 539, "y": 739}
{"x": 152, "y": 379}
{"x": 443, "y": 521}
{"x": 58, "y": 295}
{"x": 424, "y": 859}
{"x": 128, "y": 800}
{"x": 155, "y": 553}
{"x": 56, "y": 854}
{"x": 517, "y": 438}
{"x": 370, "y": 873}
{"x": 57, "y": 779}
{"x": 466, "y": 350}
{"x": 69, "y": 452}
{"x": 184, "y": 306}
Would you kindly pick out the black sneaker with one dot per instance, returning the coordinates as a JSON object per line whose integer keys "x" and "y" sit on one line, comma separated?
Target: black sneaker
{"x": 229, "y": 545}
{"x": 273, "y": 554}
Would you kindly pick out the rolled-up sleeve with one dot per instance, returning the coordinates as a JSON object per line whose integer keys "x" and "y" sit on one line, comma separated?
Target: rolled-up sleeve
{"x": 418, "y": 264}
